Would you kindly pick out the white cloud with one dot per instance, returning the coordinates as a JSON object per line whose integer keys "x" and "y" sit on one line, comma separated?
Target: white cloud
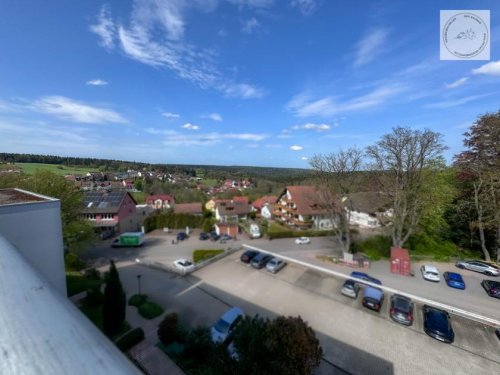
{"x": 250, "y": 26}
{"x": 97, "y": 82}
{"x": 456, "y": 102}
{"x": 311, "y": 126}
{"x": 190, "y": 126}
{"x": 155, "y": 37}
{"x": 296, "y": 148}
{"x": 303, "y": 106}
{"x": 491, "y": 68}
{"x": 458, "y": 82}
{"x": 371, "y": 46}
{"x": 214, "y": 116}
{"x": 306, "y": 7}
{"x": 69, "y": 109}
{"x": 175, "y": 139}
{"x": 105, "y": 28}
{"x": 304, "y": 157}
{"x": 170, "y": 115}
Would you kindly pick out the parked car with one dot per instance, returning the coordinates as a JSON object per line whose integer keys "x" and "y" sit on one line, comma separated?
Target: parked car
{"x": 491, "y": 287}
{"x": 366, "y": 277}
{"x": 225, "y": 237}
{"x": 184, "y": 265}
{"x": 248, "y": 255}
{"x": 275, "y": 264}
{"x": 225, "y": 326}
{"x": 214, "y": 236}
{"x": 350, "y": 289}
{"x": 437, "y": 324}
{"x": 373, "y": 298}
{"x": 181, "y": 236}
{"x": 260, "y": 260}
{"x": 302, "y": 240}
{"x": 204, "y": 236}
{"x": 401, "y": 309}
{"x": 478, "y": 266}
{"x": 454, "y": 280}
{"x": 430, "y": 273}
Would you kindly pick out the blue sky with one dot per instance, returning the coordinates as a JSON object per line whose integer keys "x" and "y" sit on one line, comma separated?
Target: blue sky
{"x": 232, "y": 82}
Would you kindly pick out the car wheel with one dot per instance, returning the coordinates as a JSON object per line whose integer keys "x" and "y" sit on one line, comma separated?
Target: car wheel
{"x": 488, "y": 273}
{"x": 461, "y": 266}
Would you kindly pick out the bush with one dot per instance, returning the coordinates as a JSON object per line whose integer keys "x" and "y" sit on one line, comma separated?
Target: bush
{"x": 92, "y": 273}
{"x": 276, "y": 230}
{"x": 150, "y": 310}
{"x": 77, "y": 283}
{"x": 375, "y": 247}
{"x": 94, "y": 297}
{"x": 130, "y": 339}
{"x": 73, "y": 262}
{"x": 425, "y": 245}
{"x": 168, "y": 330}
{"x": 201, "y": 255}
{"x": 137, "y": 299}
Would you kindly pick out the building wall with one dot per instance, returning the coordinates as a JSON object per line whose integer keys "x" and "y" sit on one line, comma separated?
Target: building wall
{"x": 35, "y": 229}
{"x": 127, "y": 216}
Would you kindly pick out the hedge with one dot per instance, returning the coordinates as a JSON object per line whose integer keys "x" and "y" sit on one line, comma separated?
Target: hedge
{"x": 173, "y": 220}
{"x": 276, "y": 230}
{"x": 201, "y": 255}
{"x": 150, "y": 310}
{"x": 130, "y": 339}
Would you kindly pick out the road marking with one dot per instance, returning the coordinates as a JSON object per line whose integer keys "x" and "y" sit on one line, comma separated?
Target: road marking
{"x": 194, "y": 286}
{"x": 452, "y": 309}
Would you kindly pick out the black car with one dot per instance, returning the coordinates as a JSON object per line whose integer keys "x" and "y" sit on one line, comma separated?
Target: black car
{"x": 204, "y": 236}
{"x": 401, "y": 310}
{"x": 260, "y": 260}
{"x": 248, "y": 255}
{"x": 181, "y": 236}
{"x": 214, "y": 236}
{"x": 491, "y": 287}
{"x": 437, "y": 324}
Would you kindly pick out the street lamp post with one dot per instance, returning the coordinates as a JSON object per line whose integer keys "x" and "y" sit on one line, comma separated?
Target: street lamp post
{"x": 139, "y": 283}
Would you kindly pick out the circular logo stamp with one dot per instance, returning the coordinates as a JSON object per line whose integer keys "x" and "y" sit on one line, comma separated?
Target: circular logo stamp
{"x": 465, "y": 35}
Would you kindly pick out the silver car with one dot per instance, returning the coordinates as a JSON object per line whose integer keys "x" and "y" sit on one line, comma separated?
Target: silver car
{"x": 478, "y": 266}
{"x": 350, "y": 288}
{"x": 275, "y": 264}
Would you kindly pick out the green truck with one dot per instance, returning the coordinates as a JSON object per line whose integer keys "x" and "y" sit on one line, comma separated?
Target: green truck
{"x": 129, "y": 239}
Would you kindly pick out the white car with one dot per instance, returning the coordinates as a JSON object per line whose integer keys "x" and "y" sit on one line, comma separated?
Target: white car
{"x": 224, "y": 327}
{"x": 184, "y": 265}
{"x": 302, "y": 240}
{"x": 430, "y": 273}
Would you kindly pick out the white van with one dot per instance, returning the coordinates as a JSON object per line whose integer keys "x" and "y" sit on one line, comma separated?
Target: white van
{"x": 254, "y": 231}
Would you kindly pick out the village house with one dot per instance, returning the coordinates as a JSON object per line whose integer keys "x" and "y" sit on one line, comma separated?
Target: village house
{"x": 264, "y": 206}
{"x": 160, "y": 201}
{"x": 189, "y": 208}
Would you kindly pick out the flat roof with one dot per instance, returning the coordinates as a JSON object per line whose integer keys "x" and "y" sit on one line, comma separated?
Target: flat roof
{"x": 17, "y": 196}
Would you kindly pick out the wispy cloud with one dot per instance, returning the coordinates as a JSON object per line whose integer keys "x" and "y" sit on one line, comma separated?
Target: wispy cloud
{"x": 371, "y": 46}
{"x": 296, "y": 148}
{"x": 170, "y": 115}
{"x": 105, "y": 28}
{"x": 311, "y": 126}
{"x": 304, "y": 106}
{"x": 213, "y": 116}
{"x": 306, "y": 7}
{"x": 456, "y": 102}
{"x": 72, "y": 110}
{"x": 491, "y": 68}
{"x": 304, "y": 158}
{"x": 250, "y": 26}
{"x": 190, "y": 126}
{"x": 457, "y": 83}
{"x": 155, "y": 37}
{"x": 97, "y": 82}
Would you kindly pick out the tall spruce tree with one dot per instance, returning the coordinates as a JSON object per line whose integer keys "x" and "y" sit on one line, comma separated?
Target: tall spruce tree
{"x": 113, "y": 309}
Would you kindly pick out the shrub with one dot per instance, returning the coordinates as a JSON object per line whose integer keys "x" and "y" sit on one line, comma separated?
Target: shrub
{"x": 92, "y": 273}
{"x": 168, "y": 330}
{"x": 73, "y": 262}
{"x": 423, "y": 244}
{"x": 77, "y": 283}
{"x": 201, "y": 255}
{"x": 375, "y": 247}
{"x": 94, "y": 297}
{"x": 130, "y": 339}
{"x": 137, "y": 299}
{"x": 150, "y": 310}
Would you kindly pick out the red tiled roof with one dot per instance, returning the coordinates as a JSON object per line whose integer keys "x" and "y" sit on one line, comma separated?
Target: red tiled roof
{"x": 162, "y": 197}
{"x": 188, "y": 208}
{"x": 307, "y": 200}
{"x": 267, "y": 199}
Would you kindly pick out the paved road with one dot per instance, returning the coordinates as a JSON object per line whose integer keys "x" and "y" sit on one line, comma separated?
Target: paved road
{"x": 361, "y": 341}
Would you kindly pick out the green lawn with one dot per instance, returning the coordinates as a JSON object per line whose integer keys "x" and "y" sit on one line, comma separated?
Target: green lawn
{"x": 139, "y": 196}
{"x": 30, "y": 168}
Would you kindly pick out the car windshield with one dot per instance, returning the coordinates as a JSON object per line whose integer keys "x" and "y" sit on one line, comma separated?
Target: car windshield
{"x": 432, "y": 273}
{"x": 402, "y": 305}
{"x": 221, "y": 326}
{"x": 185, "y": 263}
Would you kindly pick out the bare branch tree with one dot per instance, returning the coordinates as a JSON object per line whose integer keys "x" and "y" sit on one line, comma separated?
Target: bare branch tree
{"x": 400, "y": 160}
{"x": 336, "y": 176}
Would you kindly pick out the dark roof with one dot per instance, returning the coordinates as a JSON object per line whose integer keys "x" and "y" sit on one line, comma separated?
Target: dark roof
{"x": 103, "y": 201}
{"x": 369, "y": 202}
{"x": 233, "y": 208}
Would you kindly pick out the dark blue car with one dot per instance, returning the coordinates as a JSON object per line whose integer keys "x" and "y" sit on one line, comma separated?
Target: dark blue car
{"x": 365, "y": 277}
{"x": 454, "y": 280}
{"x": 437, "y": 324}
